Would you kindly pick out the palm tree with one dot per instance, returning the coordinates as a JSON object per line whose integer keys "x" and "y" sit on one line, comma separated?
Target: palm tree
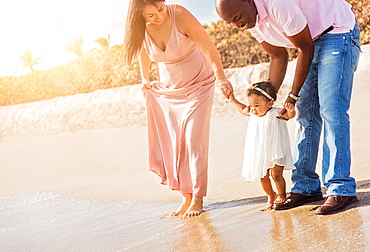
{"x": 103, "y": 42}
{"x": 75, "y": 47}
{"x": 28, "y": 61}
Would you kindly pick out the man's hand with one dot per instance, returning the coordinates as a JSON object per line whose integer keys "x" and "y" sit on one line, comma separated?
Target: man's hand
{"x": 288, "y": 102}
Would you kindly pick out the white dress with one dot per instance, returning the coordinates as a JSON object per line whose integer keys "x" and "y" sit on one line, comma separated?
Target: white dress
{"x": 266, "y": 144}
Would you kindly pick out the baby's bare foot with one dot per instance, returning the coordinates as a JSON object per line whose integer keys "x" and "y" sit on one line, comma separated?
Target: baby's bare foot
{"x": 280, "y": 199}
{"x": 195, "y": 208}
{"x": 270, "y": 201}
{"x": 186, "y": 201}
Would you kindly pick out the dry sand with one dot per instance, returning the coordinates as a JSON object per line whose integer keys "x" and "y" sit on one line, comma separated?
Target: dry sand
{"x": 73, "y": 177}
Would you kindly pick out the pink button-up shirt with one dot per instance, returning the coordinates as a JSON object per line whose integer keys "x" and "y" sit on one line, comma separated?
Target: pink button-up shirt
{"x": 278, "y": 19}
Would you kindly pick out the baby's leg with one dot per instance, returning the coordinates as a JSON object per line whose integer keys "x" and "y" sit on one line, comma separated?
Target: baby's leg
{"x": 267, "y": 187}
{"x": 277, "y": 176}
{"x": 186, "y": 201}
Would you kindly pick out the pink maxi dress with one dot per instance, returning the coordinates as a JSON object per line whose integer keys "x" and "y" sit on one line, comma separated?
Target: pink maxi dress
{"x": 179, "y": 111}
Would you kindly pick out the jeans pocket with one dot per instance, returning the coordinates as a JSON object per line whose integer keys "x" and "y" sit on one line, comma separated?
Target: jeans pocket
{"x": 356, "y": 49}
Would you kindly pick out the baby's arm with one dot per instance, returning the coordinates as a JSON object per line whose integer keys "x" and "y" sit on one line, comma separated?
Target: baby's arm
{"x": 242, "y": 108}
{"x": 290, "y": 111}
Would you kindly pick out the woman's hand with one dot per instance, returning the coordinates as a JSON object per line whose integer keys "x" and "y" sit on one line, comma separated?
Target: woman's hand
{"x": 144, "y": 87}
{"x": 226, "y": 88}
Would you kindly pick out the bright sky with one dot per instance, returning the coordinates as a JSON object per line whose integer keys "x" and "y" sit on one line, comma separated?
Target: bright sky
{"x": 46, "y": 27}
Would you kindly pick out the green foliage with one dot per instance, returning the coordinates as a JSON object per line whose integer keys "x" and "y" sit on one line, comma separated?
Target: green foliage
{"x": 28, "y": 61}
{"x": 238, "y": 47}
{"x": 361, "y": 8}
{"x": 92, "y": 71}
{"x": 103, "y": 42}
{"x": 75, "y": 47}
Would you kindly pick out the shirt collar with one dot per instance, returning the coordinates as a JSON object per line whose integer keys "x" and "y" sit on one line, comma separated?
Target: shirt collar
{"x": 261, "y": 10}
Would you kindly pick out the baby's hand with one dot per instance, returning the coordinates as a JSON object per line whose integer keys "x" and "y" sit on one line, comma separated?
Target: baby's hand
{"x": 231, "y": 97}
{"x": 289, "y": 107}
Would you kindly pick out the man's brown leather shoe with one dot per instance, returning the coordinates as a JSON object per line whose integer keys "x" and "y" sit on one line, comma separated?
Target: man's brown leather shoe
{"x": 334, "y": 204}
{"x": 296, "y": 199}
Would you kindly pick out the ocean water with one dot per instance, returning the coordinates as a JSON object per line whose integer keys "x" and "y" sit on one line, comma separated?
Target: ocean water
{"x": 49, "y": 221}
{"x": 53, "y": 221}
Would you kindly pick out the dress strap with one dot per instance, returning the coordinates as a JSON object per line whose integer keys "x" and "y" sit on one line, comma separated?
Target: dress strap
{"x": 171, "y": 8}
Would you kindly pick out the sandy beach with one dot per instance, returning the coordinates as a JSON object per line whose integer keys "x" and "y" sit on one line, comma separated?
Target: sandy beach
{"x": 73, "y": 177}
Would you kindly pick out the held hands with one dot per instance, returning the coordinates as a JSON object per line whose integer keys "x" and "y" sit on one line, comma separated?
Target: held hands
{"x": 226, "y": 88}
{"x": 231, "y": 97}
{"x": 290, "y": 108}
{"x": 288, "y": 111}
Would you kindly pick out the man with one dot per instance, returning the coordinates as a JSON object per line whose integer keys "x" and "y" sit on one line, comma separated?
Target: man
{"x": 326, "y": 34}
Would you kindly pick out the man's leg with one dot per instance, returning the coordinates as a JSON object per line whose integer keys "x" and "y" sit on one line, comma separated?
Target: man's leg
{"x": 338, "y": 64}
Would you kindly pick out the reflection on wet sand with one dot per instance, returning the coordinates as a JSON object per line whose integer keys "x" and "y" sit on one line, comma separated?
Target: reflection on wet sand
{"x": 301, "y": 230}
{"x": 199, "y": 235}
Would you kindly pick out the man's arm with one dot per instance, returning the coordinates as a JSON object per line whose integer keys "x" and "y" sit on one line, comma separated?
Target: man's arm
{"x": 278, "y": 64}
{"x": 279, "y": 60}
{"x": 303, "y": 42}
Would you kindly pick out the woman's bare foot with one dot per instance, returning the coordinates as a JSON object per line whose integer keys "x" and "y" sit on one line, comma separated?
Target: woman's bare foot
{"x": 186, "y": 201}
{"x": 195, "y": 208}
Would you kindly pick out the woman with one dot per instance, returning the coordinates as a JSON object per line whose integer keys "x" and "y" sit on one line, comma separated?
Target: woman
{"x": 179, "y": 105}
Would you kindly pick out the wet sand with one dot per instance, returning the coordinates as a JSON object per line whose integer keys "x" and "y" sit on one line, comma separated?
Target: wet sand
{"x": 77, "y": 181}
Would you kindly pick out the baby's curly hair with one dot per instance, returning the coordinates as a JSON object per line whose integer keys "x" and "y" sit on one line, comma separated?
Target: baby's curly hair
{"x": 264, "y": 86}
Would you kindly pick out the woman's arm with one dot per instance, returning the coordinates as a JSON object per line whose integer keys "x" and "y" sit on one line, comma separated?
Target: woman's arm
{"x": 188, "y": 25}
{"x": 144, "y": 63}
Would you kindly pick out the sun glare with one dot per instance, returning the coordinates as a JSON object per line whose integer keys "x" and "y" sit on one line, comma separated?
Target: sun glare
{"x": 46, "y": 27}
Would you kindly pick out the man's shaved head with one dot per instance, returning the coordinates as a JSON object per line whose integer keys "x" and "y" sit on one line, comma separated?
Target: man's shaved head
{"x": 223, "y": 5}
{"x": 242, "y": 13}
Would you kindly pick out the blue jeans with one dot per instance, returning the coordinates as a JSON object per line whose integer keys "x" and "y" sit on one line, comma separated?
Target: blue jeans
{"x": 325, "y": 100}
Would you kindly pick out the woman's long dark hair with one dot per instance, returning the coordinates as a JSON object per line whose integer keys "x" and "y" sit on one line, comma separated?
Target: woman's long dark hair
{"x": 135, "y": 29}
